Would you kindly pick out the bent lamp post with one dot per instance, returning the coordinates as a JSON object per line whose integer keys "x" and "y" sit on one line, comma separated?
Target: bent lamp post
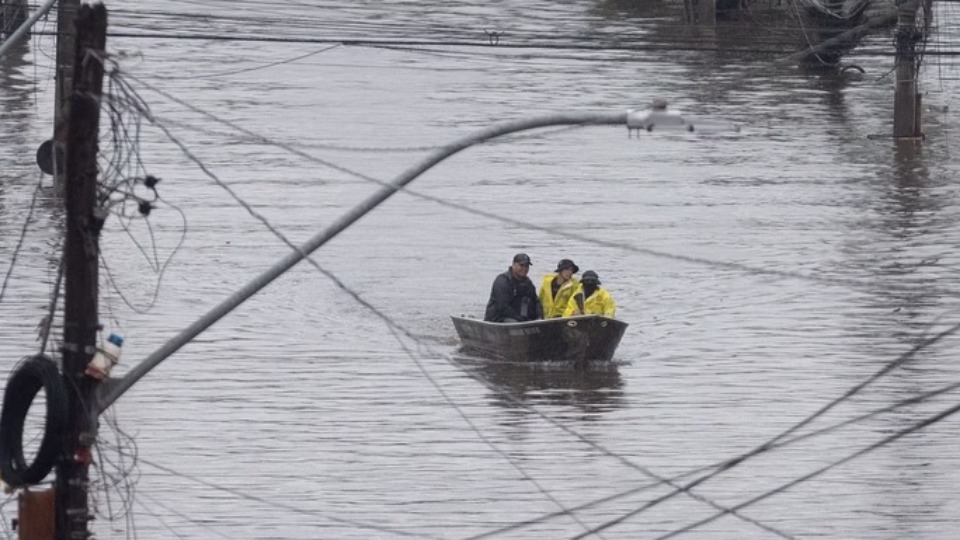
{"x": 649, "y": 119}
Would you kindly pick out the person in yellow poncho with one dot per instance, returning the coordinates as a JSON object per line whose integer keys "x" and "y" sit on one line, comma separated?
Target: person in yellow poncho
{"x": 557, "y": 288}
{"x": 590, "y": 298}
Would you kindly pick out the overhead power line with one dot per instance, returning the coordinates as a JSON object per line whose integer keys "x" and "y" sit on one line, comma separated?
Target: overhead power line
{"x": 677, "y": 45}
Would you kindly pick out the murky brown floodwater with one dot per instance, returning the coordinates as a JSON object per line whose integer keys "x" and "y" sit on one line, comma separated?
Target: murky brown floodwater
{"x": 763, "y": 273}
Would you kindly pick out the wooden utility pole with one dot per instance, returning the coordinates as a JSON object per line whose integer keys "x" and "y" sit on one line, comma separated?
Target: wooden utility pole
{"x": 66, "y": 51}
{"x": 906, "y": 99}
{"x": 81, "y": 255}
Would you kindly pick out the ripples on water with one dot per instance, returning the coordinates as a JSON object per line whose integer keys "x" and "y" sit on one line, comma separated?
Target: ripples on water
{"x": 316, "y": 422}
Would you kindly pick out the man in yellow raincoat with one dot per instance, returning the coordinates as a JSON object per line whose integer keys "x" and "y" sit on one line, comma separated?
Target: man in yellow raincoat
{"x": 557, "y": 288}
{"x": 590, "y": 298}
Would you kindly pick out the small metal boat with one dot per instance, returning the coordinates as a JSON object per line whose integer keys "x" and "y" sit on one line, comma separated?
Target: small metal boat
{"x": 578, "y": 339}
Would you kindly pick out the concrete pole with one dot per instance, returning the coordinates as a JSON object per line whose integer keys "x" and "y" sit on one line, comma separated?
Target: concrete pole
{"x": 81, "y": 256}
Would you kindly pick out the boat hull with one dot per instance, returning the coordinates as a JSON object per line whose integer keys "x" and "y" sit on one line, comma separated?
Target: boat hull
{"x": 583, "y": 338}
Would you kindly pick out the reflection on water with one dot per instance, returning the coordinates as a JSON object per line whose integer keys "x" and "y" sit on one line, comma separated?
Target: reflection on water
{"x": 595, "y": 388}
{"x": 835, "y": 84}
{"x": 906, "y": 207}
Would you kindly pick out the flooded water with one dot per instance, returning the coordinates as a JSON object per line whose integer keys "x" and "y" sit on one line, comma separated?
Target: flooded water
{"x": 765, "y": 274}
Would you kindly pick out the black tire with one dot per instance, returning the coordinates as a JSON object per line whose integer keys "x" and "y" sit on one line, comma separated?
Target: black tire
{"x": 26, "y": 381}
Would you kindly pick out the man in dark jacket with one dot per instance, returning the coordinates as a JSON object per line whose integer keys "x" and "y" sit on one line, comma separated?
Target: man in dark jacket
{"x": 513, "y": 297}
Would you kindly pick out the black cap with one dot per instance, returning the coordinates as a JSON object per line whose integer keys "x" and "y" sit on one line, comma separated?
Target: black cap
{"x": 589, "y": 276}
{"x": 567, "y": 263}
{"x": 522, "y": 258}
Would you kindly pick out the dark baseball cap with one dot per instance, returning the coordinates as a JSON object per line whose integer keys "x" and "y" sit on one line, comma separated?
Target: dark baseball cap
{"x": 589, "y": 276}
{"x": 522, "y": 258}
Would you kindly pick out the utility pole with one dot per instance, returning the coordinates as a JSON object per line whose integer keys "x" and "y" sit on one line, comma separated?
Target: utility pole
{"x": 906, "y": 99}
{"x": 66, "y": 50}
{"x": 81, "y": 256}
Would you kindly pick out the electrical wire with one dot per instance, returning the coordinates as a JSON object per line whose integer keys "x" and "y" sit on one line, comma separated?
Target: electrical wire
{"x": 181, "y": 515}
{"x": 260, "y": 67}
{"x": 809, "y": 476}
{"x": 920, "y": 398}
{"x": 123, "y": 174}
{"x": 446, "y": 397}
{"x": 277, "y": 504}
{"x": 23, "y": 235}
{"x": 898, "y": 362}
{"x": 46, "y": 324}
{"x": 120, "y": 474}
{"x": 770, "y": 49}
{"x": 726, "y": 265}
{"x": 160, "y": 268}
{"x": 8, "y": 531}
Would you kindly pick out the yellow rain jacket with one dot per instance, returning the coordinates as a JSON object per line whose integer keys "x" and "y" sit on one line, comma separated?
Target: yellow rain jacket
{"x": 598, "y": 303}
{"x": 553, "y": 306}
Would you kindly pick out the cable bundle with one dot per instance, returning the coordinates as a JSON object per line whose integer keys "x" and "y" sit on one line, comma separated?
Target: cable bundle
{"x": 28, "y": 378}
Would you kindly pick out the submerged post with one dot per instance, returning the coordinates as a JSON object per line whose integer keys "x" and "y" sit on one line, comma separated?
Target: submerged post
{"x": 906, "y": 99}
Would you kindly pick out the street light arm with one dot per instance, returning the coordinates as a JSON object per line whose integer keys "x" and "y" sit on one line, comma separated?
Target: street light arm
{"x": 112, "y": 389}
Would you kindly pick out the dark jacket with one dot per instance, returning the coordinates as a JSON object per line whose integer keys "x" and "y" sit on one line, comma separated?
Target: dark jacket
{"x": 513, "y": 299}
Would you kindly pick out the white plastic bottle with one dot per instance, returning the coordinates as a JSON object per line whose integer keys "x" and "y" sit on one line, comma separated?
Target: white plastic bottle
{"x": 106, "y": 357}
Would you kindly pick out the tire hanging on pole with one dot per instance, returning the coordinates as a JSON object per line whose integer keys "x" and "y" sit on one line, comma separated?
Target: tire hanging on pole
{"x": 28, "y": 378}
